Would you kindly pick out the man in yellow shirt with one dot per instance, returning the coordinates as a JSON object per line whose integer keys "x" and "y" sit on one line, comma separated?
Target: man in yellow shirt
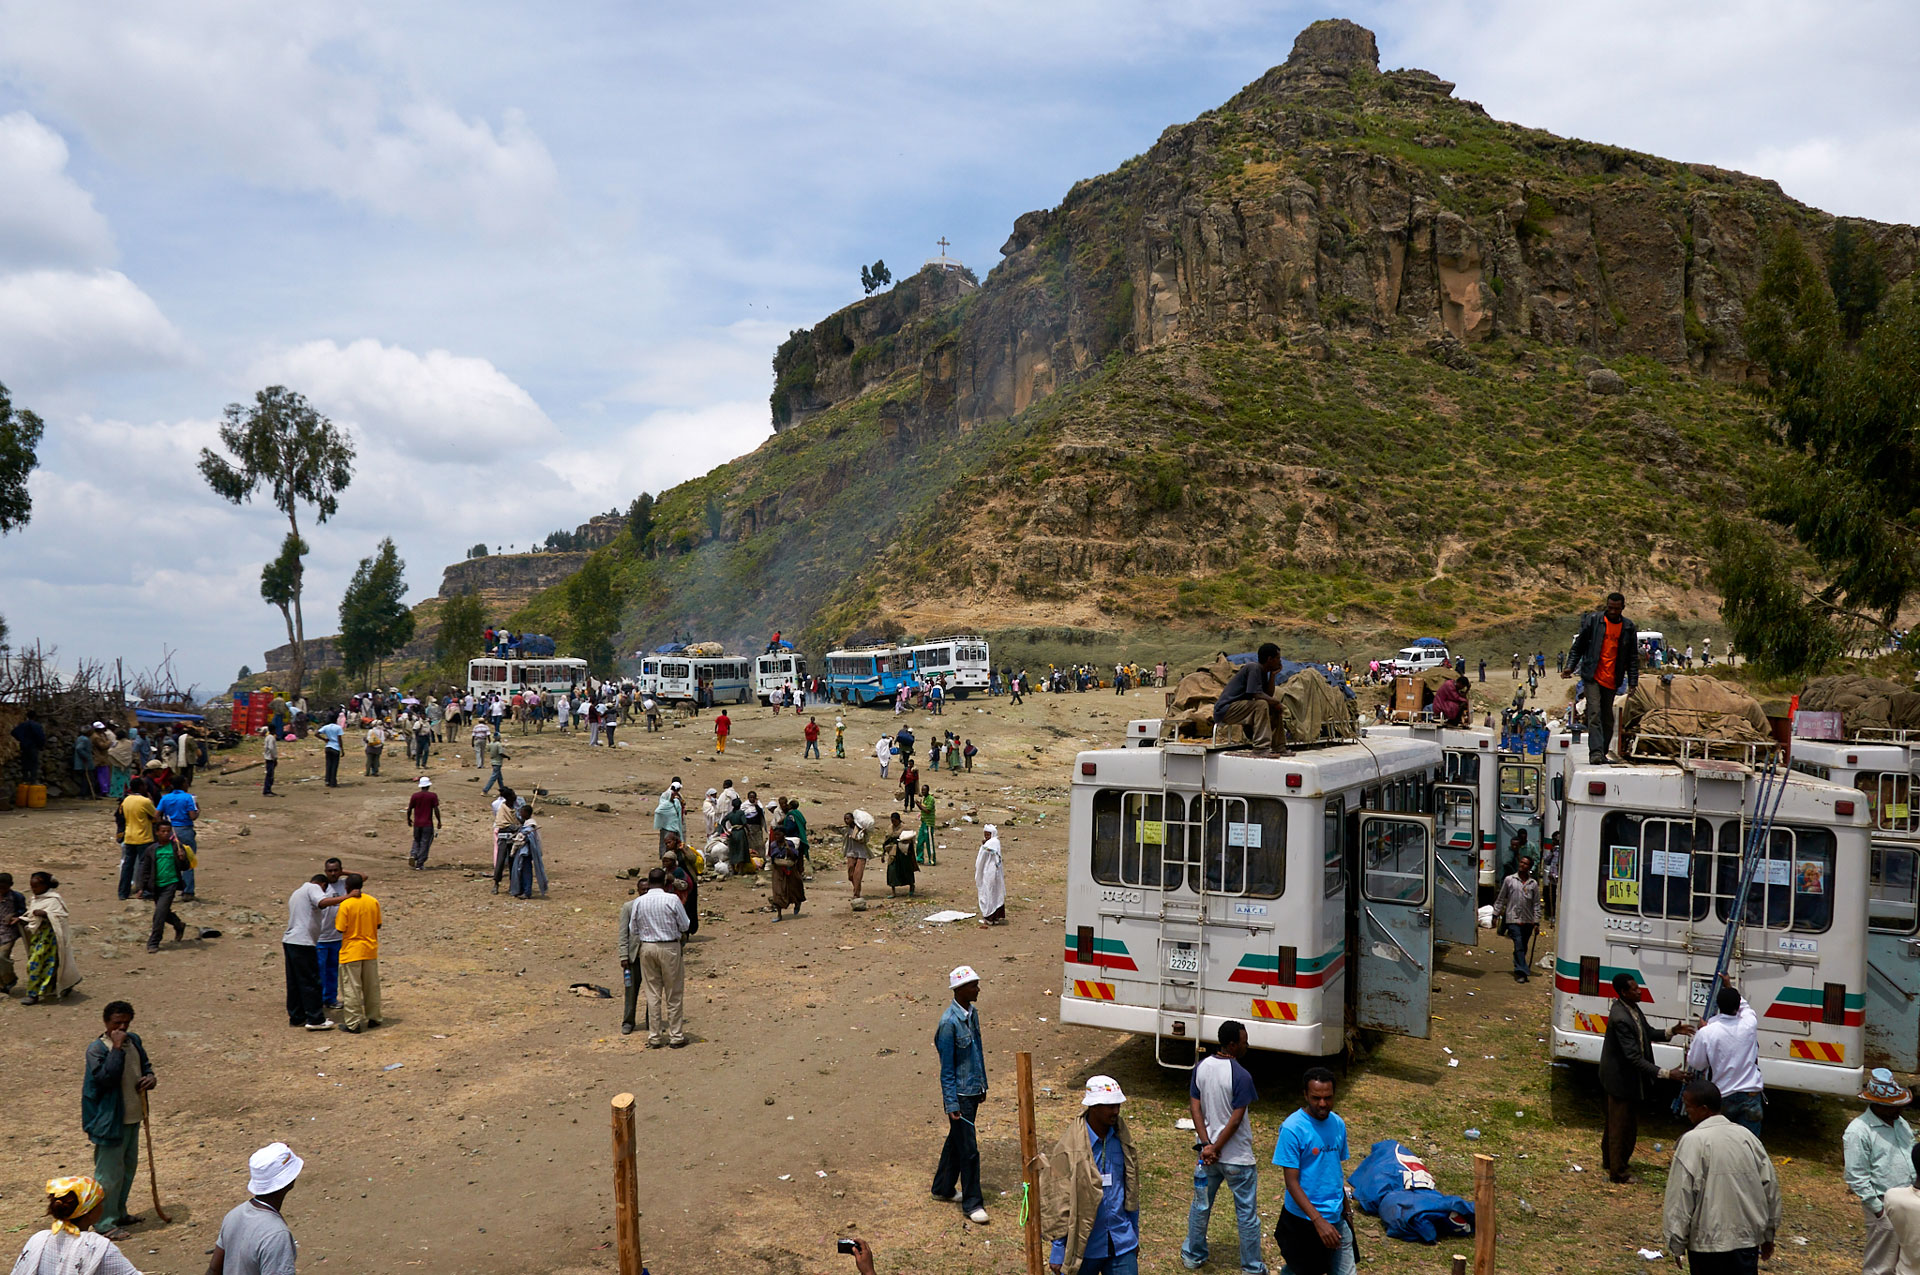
{"x": 358, "y": 921}
{"x": 138, "y": 813}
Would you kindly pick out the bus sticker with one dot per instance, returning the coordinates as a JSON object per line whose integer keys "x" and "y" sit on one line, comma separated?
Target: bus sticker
{"x": 1799, "y": 945}
{"x": 1624, "y": 865}
{"x": 1779, "y": 872}
{"x": 1624, "y": 893}
{"x": 1152, "y": 832}
{"x": 1812, "y": 876}
{"x": 1250, "y": 909}
{"x": 1244, "y": 834}
{"x": 1670, "y": 863}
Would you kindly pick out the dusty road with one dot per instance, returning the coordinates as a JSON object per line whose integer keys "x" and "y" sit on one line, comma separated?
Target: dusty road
{"x": 469, "y": 1133}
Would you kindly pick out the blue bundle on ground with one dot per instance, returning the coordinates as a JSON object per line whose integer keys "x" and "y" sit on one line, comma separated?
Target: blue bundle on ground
{"x": 1393, "y": 1185}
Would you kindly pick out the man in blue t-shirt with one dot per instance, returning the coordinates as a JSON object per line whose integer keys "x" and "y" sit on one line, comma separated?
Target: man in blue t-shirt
{"x": 332, "y": 732}
{"x": 1314, "y": 1234}
{"x": 180, "y": 809}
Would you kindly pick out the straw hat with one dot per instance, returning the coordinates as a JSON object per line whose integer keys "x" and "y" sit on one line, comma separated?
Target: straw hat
{"x": 1884, "y": 1091}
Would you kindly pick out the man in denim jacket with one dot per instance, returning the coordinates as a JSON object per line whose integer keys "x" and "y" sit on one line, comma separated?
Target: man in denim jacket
{"x": 963, "y": 1084}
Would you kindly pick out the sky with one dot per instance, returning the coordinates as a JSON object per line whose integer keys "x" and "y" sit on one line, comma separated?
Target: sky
{"x": 536, "y": 259}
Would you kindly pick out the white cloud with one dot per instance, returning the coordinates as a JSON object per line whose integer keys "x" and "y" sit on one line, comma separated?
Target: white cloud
{"x": 46, "y": 219}
{"x": 56, "y": 323}
{"x": 664, "y": 448}
{"x": 290, "y": 97}
{"x": 438, "y": 406}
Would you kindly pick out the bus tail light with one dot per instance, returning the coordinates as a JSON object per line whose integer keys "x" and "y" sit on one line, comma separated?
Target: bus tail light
{"x": 1843, "y": 807}
{"x": 1833, "y": 1004}
{"x": 1596, "y": 788}
{"x": 1293, "y": 780}
{"x": 1589, "y": 976}
{"x": 1288, "y": 973}
{"x": 1089, "y": 768}
{"x": 1853, "y": 759}
{"x": 1083, "y": 945}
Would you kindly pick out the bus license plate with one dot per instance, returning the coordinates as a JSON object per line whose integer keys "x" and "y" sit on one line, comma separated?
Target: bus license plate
{"x": 1183, "y": 960}
{"x": 1701, "y": 986}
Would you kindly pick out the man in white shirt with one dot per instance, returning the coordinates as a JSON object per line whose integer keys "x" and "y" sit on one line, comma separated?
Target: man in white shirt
{"x": 1727, "y": 1049}
{"x": 304, "y": 909}
{"x": 656, "y": 927}
{"x": 1901, "y": 1207}
{"x": 1220, "y": 1094}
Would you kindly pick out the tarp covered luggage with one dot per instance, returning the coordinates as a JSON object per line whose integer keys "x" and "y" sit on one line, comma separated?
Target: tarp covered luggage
{"x": 1394, "y": 1186}
{"x": 1703, "y": 708}
{"x": 537, "y": 646}
{"x": 706, "y": 649}
{"x": 1309, "y": 700}
{"x": 1309, "y": 704}
{"x": 1864, "y": 703}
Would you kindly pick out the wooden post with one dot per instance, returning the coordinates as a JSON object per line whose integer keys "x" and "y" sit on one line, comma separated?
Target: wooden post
{"x": 1029, "y": 1165}
{"x": 1459, "y": 1264}
{"x": 1483, "y": 1216}
{"x": 626, "y": 1186}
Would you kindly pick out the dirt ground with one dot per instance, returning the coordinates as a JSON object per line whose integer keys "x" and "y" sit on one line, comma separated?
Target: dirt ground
{"x": 470, "y": 1132}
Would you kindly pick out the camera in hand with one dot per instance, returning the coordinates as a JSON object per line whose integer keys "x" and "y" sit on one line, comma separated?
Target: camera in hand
{"x": 849, "y": 1246}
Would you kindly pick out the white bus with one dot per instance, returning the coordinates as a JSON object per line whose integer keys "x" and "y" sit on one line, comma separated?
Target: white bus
{"x": 1649, "y": 875}
{"x": 1294, "y": 894}
{"x": 550, "y": 676}
{"x": 962, "y": 664}
{"x": 673, "y": 679}
{"x": 1882, "y": 773}
{"x": 776, "y": 669}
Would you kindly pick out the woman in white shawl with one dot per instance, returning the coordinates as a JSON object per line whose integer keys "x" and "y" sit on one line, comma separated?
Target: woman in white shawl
{"x": 989, "y": 881}
{"x": 71, "y": 1246}
{"x": 711, "y": 812}
{"x": 51, "y": 971}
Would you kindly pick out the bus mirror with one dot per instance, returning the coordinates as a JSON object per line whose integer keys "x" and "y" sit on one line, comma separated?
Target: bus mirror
{"x": 1558, "y": 788}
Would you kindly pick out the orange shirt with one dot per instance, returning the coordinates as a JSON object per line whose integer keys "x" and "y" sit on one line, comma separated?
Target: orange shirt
{"x": 1607, "y": 671}
{"x": 358, "y": 920}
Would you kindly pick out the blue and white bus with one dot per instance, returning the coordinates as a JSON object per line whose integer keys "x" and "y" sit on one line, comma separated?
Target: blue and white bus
{"x": 868, "y": 675}
{"x": 961, "y": 664}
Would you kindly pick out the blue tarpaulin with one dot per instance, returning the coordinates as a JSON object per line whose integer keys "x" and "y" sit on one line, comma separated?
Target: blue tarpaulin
{"x": 1426, "y": 642}
{"x": 155, "y": 715}
{"x": 670, "y": 648}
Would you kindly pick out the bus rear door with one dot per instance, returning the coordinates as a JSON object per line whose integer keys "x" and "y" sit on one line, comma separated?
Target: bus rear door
{"x": 1394, "y": 925}
{"x": 1456, "y": 863}
{"x": 1520, "y": 812}
{"x": 1893, "y": 958}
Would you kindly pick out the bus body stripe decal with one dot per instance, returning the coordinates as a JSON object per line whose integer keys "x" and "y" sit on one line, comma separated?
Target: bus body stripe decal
{"x": 1817, "y": 1051}
{"x": 1264, "y": 971}
{"x": 1108, "y": 954}
{"x": 1566, "y": 978}
{"x": 1092, "y": 991}
{"x": 1276, "y": 1011}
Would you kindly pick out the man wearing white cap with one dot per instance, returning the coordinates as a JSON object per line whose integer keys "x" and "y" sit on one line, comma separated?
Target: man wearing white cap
{"x": 1879, "y": 1157}
{"x": 1090, "y": 1189}
{"x": 423, "y": 816}
{"x": 254, "y": 1239}
{"x": 963, "y": 1085}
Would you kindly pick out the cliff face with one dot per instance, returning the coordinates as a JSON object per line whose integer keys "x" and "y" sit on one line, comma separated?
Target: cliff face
{"x": 509, "y": 579}
{"x": 1329, "y": 196}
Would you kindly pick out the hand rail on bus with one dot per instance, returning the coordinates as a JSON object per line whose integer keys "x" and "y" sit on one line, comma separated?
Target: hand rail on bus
{"x": 1391, "y": 939}
{"x": 1773, "y": 782}
{"x": 1684, "y": 748}
{"x": 1889, "y": 981}
{"x": 1442, "y": 865}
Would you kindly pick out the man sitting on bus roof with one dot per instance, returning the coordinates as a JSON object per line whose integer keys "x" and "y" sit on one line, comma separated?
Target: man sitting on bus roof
{"x": 1249, "y": 700}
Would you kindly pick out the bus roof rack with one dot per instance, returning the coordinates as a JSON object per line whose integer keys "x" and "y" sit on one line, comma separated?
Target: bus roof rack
{"x": 1681, "y": 750}
{"x": 1886, "y": 735}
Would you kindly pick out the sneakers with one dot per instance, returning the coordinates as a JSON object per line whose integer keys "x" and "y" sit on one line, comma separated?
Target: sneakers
{"x": 325, "y": 1026}
{"x": 978, "y": 1217}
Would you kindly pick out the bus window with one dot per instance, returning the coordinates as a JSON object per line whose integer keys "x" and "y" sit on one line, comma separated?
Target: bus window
{"x": 1334, "y": 863}
{"x": 1462, "y": 767}
{"x": 1813, "y": 768}
{"x": 1519, "y": 790}
{"x": 1143, "y": 836}
{"x": 1655, "y": 867}
{"x": 1246, "y": 845}
{"x": 1106, "y": 836}
{"x": 1888, "y": 800}
{"x": 1893, "y": 897}
{"x": 1393, "y": 855}
{"x": 1793, "y": 889}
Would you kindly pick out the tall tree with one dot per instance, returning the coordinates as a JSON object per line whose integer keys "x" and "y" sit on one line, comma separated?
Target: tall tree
{"x": 463, "y": 620}
{"x": 478, "y": 551}
{"x": 282, "y": 444}
{"x": 375, "y": 620}
{"x": 875, "y": 277}
{"x": 640, "y": 519}
{"x": 716, "y": 517}
{"x": 280, "y": 580}
{"x": 1858, "y": 279}
{"x": 20, "y": 432}
{"x": 1848, "y": 487}
{"x": 594, "y": 611}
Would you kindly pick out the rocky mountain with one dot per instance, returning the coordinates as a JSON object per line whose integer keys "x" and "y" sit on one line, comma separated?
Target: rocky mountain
{"x": 1345, "y": 355}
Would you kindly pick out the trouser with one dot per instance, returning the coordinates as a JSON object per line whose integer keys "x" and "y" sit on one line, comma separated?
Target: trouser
{"x": 360, "y": 992}
{"x": 719, "y": 743}
{"x": 632, "y": 978}
{"x": 373, "y": 761}
{"x": 812, "y": 750}
{"x": 115, "y": 1165}
{"x": 8, "y": 975}
{"x": 163, "y": 916}
{"x": 422, "y": 843}
{"x": 1127, "y": 1263}
{"x": 303, "y": 986}
{"x": 593, "y": 734}
{"x": 333, "y": 767}
{"x": 1883, "y": 1246}
{"x": 1739, "y": 1261}
{"x": 129, "y": 861}
{"x": 29, "y": 766}
{"x": 663, "y": 969}
{"x": 520, "y": 877}
{"x": 186, "y": 836}
{"x": 502, "y": 854}
{"x": 1522, "y": 936}
{"x": 1255, "y": 714}
{"x": 1241, "y": 1179}
{"x": 1340, "y": 1260}
{"x": 493, "y": 780}
{"x": 609, "y": 730}
{"x": 1744, "y": 1109}
{"x": 266, "y": 784}
{"x": 653, "y": 721}
{"x": 960, "y": 1158}
{"x": 327, "y": 956}
{"x": 479, "y": 753}
{"x": 1599, "y": 720}
{"x": 1622, "y": 1132}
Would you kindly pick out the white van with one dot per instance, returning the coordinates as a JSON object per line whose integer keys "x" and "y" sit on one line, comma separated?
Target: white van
{"x": 1418, "y": 659}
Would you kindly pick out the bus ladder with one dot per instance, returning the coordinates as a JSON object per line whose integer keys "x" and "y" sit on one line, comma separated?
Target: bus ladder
{"x": 1773, "y": 781}
{"x": 1183, "y": 922}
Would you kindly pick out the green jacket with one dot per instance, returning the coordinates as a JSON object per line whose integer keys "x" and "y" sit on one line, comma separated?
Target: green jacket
{"x": 102, "y": 1113}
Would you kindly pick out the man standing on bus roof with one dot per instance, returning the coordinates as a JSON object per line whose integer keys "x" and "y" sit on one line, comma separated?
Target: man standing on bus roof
{"x": 1249, "y": 700}
{"x": 1606, "y": 652}
{"x": 1727, "y": 1048}
{"x": 1879, "y": 1157}
{"x": 1626, "y": 1064}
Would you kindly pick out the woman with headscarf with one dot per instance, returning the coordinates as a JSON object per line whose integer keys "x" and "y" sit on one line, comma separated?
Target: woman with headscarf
{"x": 711, "y": 812}
{"x": 789, "y": 878}
{"x": 51, "y": 971}
{"x": 989, "y": 881}
{"x": 70, "y": 1246}
{"x": 120, "y": 764}
{"x": 923, "y": 840}
{"x": 900, "y": 859}
{"x": 753, "y": 817}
